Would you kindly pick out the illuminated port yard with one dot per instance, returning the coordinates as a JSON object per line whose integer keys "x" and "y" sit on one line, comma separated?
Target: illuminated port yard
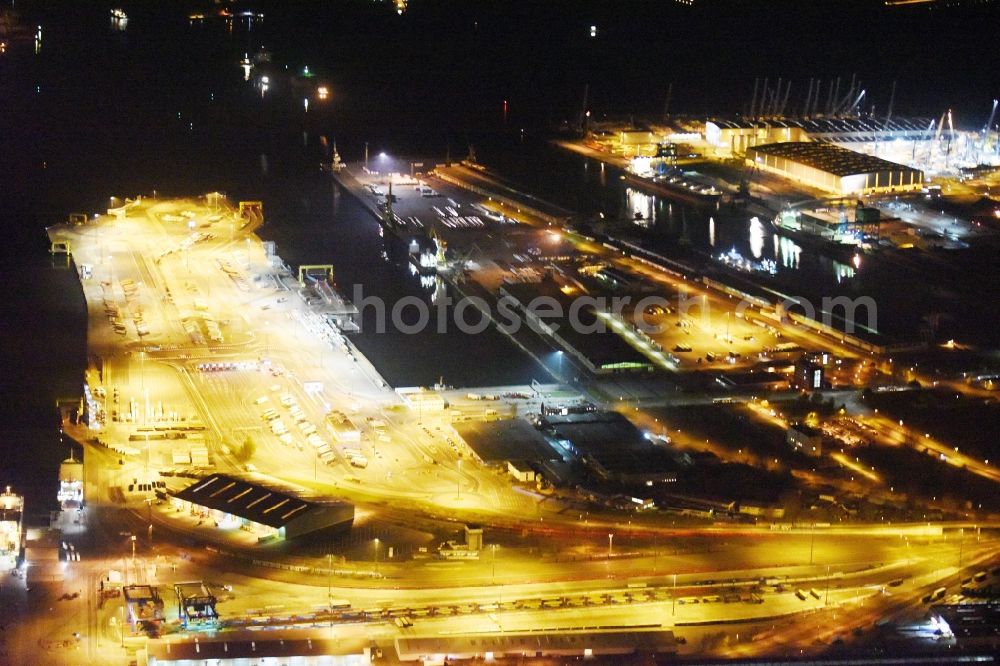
{"x": 342, "y": 387}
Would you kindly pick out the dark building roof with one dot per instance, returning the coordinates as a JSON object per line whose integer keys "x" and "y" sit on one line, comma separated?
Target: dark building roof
{"x": 267, "y": 506}
{"x": 595, "y": 428}
{"x": 602, "y": 347}
{"x": 201, "y": 651}
{"x": 827, "y": 157}
{"x": 971, "y": 622}
{"x": 546, "y": 642}
{"x": 510, "y": 439}
{"x": 806, "y": 430}
{"x": 245, "y": 499}
{"x": 751, "y": 379}
{"x": 611, "y": 443}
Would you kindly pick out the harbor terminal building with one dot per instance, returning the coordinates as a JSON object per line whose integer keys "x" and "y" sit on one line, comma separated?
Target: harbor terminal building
{"x": 834, "y": 169}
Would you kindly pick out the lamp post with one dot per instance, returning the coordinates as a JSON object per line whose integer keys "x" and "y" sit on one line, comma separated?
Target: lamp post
{"x": 493, "y": 547}
{"x": 673, "y": 597}
{"x": 376, "y": 558}
{"x": 611, "y": 538}
{"x": 142, "y": 378}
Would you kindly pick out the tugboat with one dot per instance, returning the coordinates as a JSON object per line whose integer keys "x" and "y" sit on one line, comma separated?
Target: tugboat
{"x": 11, "y": 512}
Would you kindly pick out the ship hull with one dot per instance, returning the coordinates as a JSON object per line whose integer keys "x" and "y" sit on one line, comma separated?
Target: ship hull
{"x": 673, "y": 191}
{"x": 11, "y": 541}
{"x": 818, "y": 244}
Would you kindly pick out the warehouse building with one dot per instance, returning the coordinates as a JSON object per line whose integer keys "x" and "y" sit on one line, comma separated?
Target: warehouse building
{"x": 735, "y": 136}
{"x": 611, "y": 447}
{"x": 266, "y": 512}
{"x": 834, "y": 169}
{"x": 502, "y": 442}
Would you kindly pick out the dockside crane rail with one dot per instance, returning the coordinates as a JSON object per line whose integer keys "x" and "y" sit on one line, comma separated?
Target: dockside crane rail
{"x": 892, "y": 100}
{"x": 940, "y": 126}
{"x": 251, "y": 208}
{"x": 989, "y": 121}
{"x": 857, "y": 103}
{"x": 888, "y": 115}
{"x": 951, "y": 136}
{"x": 784, "y": 101}
{"x": 309, "y": 270}
{"x": 772, "y": 107}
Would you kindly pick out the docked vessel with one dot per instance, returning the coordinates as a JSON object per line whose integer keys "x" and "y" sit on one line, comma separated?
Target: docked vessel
{"x": 676, "y": 187}
{"x": 11, "y": 513}
{"x": 823, "y": 239}
{"x": 70, "y": 493}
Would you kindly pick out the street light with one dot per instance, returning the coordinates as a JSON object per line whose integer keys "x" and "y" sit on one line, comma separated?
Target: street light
{"x": 611, "y": 538}
{"x": 673, "y": 597}
{"x": 812, "y": 542}
{"x": 493, "y": 547}
{"x": 376, "y": 558}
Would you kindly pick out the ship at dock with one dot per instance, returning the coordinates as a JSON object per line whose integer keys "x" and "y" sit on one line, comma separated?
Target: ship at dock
{"x": 70, "y": 493}
{"x": 676, "y": 186}
{"x": 830, "y": 230}
{"x": 11, "y": 534}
